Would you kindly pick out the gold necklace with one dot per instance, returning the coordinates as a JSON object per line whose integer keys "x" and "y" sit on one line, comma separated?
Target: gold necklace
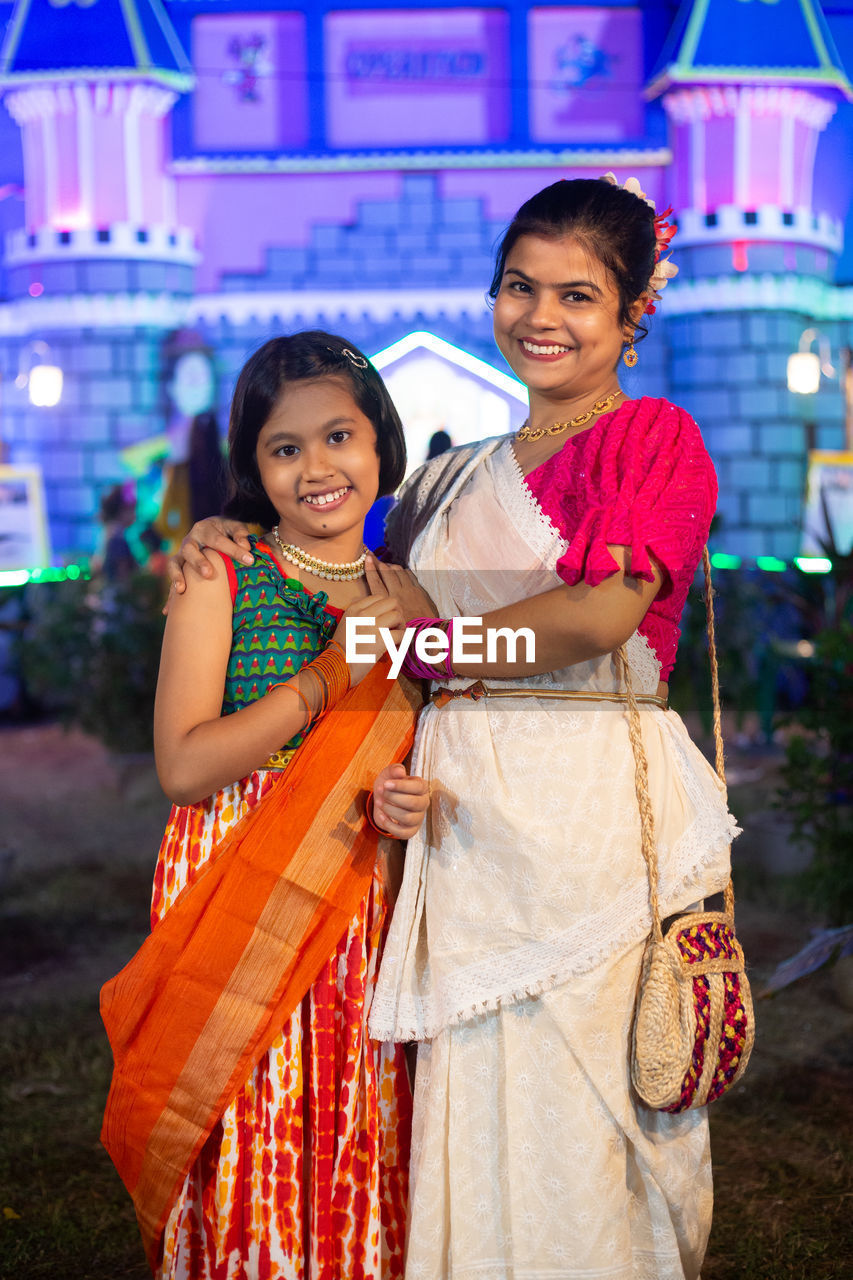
{"x": 347, "y": 572}
{"x": 600, "y": 406}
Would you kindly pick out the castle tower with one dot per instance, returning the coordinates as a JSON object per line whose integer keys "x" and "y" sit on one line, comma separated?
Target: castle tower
{"x": 748, "y": 86}
{"x": 91, "y": 88}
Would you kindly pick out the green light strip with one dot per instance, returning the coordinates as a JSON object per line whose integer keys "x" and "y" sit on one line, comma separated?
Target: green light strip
{"x": 44, "y": 573}
{"x": 719, "y": 560}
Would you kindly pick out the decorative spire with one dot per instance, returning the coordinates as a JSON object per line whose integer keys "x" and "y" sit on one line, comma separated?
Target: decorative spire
{"x": 750, "y": 42}
{"x": 101, "y": 40}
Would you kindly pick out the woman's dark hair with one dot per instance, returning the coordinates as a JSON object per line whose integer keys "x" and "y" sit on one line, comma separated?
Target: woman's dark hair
{"x": 609, "y": 222}
{"x": 281, "y": 362}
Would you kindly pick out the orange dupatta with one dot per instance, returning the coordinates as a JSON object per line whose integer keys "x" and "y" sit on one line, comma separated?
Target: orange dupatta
{"x": 214, "y": 983}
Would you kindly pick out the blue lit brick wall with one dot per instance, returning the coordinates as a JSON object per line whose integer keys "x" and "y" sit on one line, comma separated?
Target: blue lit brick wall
{"x": 418, "y": 240}
{"x": 110, "y": 398}
{"x": 729, "y": 371}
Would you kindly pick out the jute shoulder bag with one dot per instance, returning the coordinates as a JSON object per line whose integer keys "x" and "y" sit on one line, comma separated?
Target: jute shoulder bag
{"x": 693, "y": 1022}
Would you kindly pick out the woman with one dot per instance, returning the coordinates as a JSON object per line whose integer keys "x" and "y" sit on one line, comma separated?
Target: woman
{"x": 517, "y": 938}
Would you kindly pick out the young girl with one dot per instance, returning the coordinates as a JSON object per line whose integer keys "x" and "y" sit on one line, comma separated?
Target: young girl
{"x": 260, "y": 1131}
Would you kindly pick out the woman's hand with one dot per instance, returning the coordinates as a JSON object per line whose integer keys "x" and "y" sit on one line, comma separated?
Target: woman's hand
{"x": 394, "y": 580}
{"x": 373, "y": 612}
{"x": 399, "y": 802}
{"x": 216, "y": 533}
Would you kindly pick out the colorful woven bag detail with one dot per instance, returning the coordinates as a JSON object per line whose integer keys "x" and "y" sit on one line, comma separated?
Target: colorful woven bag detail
{"x": 693, "y": 1023}
{"x": 694, "y": 1028}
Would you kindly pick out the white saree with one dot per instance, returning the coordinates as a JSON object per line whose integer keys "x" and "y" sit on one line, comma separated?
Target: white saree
{"x": 516, "y": 942}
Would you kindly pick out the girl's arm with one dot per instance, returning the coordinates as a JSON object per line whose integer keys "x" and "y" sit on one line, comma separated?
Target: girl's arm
{"x": 197, "y": 750}
{"x": 570, "y": 624}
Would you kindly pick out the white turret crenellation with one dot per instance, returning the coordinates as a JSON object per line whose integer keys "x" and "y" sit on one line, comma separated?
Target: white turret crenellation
{"x": 115, "y": 240}
{"x": 767, "y": 222}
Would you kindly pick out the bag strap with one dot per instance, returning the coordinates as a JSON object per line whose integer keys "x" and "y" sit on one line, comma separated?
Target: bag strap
{"x": 641, "y": 768}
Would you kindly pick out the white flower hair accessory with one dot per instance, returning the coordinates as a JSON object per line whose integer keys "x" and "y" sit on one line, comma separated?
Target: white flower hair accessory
{"x": 664, "y": 269}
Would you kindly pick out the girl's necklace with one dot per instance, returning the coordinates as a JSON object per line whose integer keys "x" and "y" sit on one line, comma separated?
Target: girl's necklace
{"x": 600, "y": 406}
{"x": 347, "y": 572}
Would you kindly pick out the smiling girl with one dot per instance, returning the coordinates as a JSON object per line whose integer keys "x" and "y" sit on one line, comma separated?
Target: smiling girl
{"x": 262, "y": 1134}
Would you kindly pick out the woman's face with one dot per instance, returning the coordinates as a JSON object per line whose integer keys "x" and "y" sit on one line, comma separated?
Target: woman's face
{"x": 556, "y": 319}
{"x": 317, "y": 461}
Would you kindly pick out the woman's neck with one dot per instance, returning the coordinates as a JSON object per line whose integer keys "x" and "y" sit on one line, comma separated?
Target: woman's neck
{"x": 546, "y": 411}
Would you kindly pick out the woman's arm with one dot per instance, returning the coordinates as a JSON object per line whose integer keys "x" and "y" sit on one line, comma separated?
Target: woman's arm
{"x": 569, "y": 624}
{"x": 197, "y": 750}
{"x": 199, "y": 547}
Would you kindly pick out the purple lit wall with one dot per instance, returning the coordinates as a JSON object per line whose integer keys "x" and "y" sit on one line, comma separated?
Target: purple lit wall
{"x": 251, "y": 89}
{"x": 585, "y": 74}
{"x": 402, "y": 78}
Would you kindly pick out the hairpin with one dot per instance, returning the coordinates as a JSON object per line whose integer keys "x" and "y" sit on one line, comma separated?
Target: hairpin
{"x": 357, "y": 361}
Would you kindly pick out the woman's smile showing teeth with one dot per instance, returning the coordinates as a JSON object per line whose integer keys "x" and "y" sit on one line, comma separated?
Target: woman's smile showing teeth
{"x": 532, "y": 348}
{"x": 331, "y": 499}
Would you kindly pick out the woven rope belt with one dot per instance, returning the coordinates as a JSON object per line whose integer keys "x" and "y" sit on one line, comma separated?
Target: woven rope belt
{"x": 478, "y": 690}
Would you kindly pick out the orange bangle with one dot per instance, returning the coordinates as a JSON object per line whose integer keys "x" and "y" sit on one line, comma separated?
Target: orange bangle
{"x": 291, "y": 685}
{"x": 333, "y": 674}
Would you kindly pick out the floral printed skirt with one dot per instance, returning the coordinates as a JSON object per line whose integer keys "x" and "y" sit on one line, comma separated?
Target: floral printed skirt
{"x": 306, "y": 1175}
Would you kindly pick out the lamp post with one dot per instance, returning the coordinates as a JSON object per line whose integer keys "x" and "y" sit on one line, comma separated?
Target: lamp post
{"x": 804, "y": 373}
{"x": 39, "y": 375}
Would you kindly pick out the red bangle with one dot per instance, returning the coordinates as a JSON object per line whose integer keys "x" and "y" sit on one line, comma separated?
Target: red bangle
{"x": 371, "y": 821}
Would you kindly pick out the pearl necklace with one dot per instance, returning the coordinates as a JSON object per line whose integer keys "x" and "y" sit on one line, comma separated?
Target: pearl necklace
{"x": 600, "y": 406}
{"x": 347, "y": 572}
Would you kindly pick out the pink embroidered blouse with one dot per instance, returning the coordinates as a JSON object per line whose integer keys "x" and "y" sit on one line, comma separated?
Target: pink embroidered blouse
{"x": 639, "y": 477}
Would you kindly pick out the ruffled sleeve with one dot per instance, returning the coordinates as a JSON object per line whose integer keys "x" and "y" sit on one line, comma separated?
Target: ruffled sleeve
{"x": 641, "y": 479}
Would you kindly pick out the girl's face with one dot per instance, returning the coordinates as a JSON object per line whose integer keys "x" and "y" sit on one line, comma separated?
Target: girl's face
{"x": 318, "y": 464}
{"x": 556, "y": 319}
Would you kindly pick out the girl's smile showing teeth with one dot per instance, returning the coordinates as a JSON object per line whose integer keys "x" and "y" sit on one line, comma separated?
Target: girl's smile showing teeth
{"x": 332, "y": 499}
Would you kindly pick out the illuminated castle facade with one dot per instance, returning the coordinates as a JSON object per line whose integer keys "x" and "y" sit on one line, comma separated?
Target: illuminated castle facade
{"x": 232, "y": 171}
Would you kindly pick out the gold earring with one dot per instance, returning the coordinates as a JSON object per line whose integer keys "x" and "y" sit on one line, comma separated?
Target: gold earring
{"x": 630, "y": 356}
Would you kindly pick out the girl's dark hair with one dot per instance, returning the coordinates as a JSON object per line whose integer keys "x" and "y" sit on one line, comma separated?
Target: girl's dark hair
{"x": 609, "y": 222}
{"x": 303, "y": 357}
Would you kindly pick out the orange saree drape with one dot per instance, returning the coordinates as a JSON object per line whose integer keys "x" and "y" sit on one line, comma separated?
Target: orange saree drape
{"x": 213, "y": 984}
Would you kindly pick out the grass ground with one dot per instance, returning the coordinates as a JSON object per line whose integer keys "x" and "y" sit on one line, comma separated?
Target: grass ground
{"x": 76, "y": 850}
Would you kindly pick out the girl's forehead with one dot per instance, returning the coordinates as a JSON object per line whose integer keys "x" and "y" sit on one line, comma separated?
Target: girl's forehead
{"x": 308, "y": 407}
{"x": 311, "y": 398}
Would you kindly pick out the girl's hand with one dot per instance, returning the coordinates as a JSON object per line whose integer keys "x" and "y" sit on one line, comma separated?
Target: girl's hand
{"x": 374, "y": 612}
{"x": 394, "y": 580}
{"x": 399, "y": 802}
{"x": 216, "y": 533}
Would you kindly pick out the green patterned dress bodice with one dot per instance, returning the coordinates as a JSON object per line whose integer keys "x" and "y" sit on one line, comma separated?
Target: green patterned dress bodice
{"x": 278, "y": 626}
